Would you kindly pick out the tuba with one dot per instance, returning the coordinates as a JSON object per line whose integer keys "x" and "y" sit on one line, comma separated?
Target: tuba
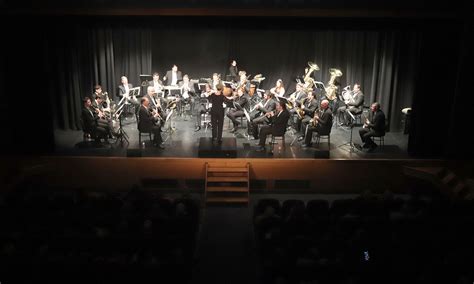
{"x": 331, "y": 88}
{"x": 308, "y": 80}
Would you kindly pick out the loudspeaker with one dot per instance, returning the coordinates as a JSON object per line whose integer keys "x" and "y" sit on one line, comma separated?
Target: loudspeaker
{"x": 134, "y": 153}
{"x": 321, "y": 154}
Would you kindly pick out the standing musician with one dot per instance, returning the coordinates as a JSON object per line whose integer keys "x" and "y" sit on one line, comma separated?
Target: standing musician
{"x": 278, "y": 90}
{"x": 218, "y": 101}
{"x": 279, "y": 120}
{"x": 354, "y": 105}
{"x": 187, "y": 93}
{"x": 156, "y": 83}
{"x": 258, "y": 116}
{"x": 242, "y": 101}
{"x": 92, "y": 124}
{"x": 373, "y": 126}
{"x": 321, "y": 123}
{"x": 234, "y": 71}
{"x": 173, "y": 76}
{"x": 150, "y": 121}
{"x": 308, "y": 107}
{"x": 202, "y": 108}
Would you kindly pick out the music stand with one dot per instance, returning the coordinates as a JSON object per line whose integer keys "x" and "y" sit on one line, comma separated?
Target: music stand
{"x": 228, "y": 84}
{"x": 144, "y": 79}
{"x": 121, "y": 134}
{"x": 319, "y": 85}
{"x": 351, "y": 125}
{"x": 169, "y": 130}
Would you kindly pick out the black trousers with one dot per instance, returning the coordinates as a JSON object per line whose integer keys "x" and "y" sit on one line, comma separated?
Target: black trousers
{"x": 233, "y": 114}
{"x": 255, "y": 122}
{"x": 201, "y": 109}
{"x": 156, "y": 130}
{"x": 217, "y": 121}
{"x": 264, "y": 132}
{"x": 301, "y": 124}
{"x": 309, "y": 133}
{"x": 365, "y": 136}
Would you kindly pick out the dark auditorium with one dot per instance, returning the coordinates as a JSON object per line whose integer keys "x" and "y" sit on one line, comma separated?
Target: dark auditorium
{"x": 242, "y": 141}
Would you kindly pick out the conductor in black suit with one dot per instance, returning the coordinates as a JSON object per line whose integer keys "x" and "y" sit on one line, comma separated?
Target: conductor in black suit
{"x": 217, "y": 99}
{"x": 373, "y": 126}
{"x": 323, "y": 123}
{"x": 173, "y": 76}
{"x": 279, "y": 120}
{"x": 149, "y": 122}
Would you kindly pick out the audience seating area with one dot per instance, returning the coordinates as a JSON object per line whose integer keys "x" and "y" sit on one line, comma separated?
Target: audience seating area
{"x": 64, "y": 236}
{"x": 369, "y": 239}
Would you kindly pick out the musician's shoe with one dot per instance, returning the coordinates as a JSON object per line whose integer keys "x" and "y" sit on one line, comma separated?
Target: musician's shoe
{"x": 366, "y": 146}
{"x": 306, "y": 145}
{"x": 158, "y": 145}
{"x": 219, "y": 141}
{"x": 358, "y": 146}
{"x": 260, "y": 149}
{"x": 233, "y": 130}
{"x": 197, "y": 128}
{"x": 257, "y": 143}
{"x": 372, "y": 148}
{"x": 300, "y": 138}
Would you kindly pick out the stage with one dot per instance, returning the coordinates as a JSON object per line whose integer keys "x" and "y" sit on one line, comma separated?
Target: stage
{"x": 184, "y": 143}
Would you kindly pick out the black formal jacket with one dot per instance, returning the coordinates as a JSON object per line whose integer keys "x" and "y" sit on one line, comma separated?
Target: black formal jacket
{"x": 377, "y": 122}
{"x": 217, "y": 101}
{"x": 121, "y": 90}
{"x": 169, "y": 77}
{"x": 358, "y": 101}
{"x": 146, "y": 121}
{"x": 89, "y": 121}
{"x": 325, "y": 122}
{"x": 310, "y": 106}
{"x": 279, "y": 123}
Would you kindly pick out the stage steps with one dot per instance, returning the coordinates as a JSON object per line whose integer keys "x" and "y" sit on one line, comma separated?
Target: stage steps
{"x": 446, "y": 180}
{"x": 227, "y": 183}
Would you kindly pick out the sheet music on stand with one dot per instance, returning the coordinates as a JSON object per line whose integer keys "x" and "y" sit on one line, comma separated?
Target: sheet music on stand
{"x": 134, "y": 92}
{"x": 283, "y": 99}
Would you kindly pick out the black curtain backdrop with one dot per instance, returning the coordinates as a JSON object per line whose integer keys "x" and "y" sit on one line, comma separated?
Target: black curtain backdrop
{"x": 102, "y": 51}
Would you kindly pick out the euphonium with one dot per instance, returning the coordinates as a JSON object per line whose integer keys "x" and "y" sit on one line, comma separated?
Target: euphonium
{"x": 331, "y": 88}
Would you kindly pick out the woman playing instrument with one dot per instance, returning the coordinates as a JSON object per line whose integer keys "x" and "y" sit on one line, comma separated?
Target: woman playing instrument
{"x": 279, "y": 89}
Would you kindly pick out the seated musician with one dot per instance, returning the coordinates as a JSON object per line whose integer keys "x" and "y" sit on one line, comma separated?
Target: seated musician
{"x": 124, "y": 87}
{"x": 278, "y": 90}
{"x": 187, "y": 93}
{"x": 258, "y": 116}
{"x": 243, "y": 81}
{"x": 149, "y": 121}
{"x": 297, "y": 97}
{"x": 279, "y": 119}
{"x": 237, "y": 110}
{"x": 157, "y": 84}
{"x": 374, "y": 126}
{"x": 321, "y": 123}
{"x": 173, "y": 76}
{"x": 216, "y": 80}
{"x": 354, "y": 105}
{"x": 308, "y": 108}
{"x": 91, "y": 122}
{"x": 103, "y": 115}
{"x": 202, "y": 107}
{"x": 156, "y": 102}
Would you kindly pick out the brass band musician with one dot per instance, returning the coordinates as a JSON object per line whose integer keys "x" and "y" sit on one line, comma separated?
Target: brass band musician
{"x": 354, "y": 105}
{"x": 374, "y": 126}
{"x": 321, "y": 123}
{"x": 150, "y": 120}
{"x": 258, "y": 116}
{"x": 91, "y": 123}
{"x": 279, "y": 89}
{"x": 308, "y": 108}
{"x": 240, "y": 102}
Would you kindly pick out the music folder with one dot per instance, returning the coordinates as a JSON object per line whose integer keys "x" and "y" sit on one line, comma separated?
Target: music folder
{"x": 283, "y": 99}
{"x": 134, "y": 92}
